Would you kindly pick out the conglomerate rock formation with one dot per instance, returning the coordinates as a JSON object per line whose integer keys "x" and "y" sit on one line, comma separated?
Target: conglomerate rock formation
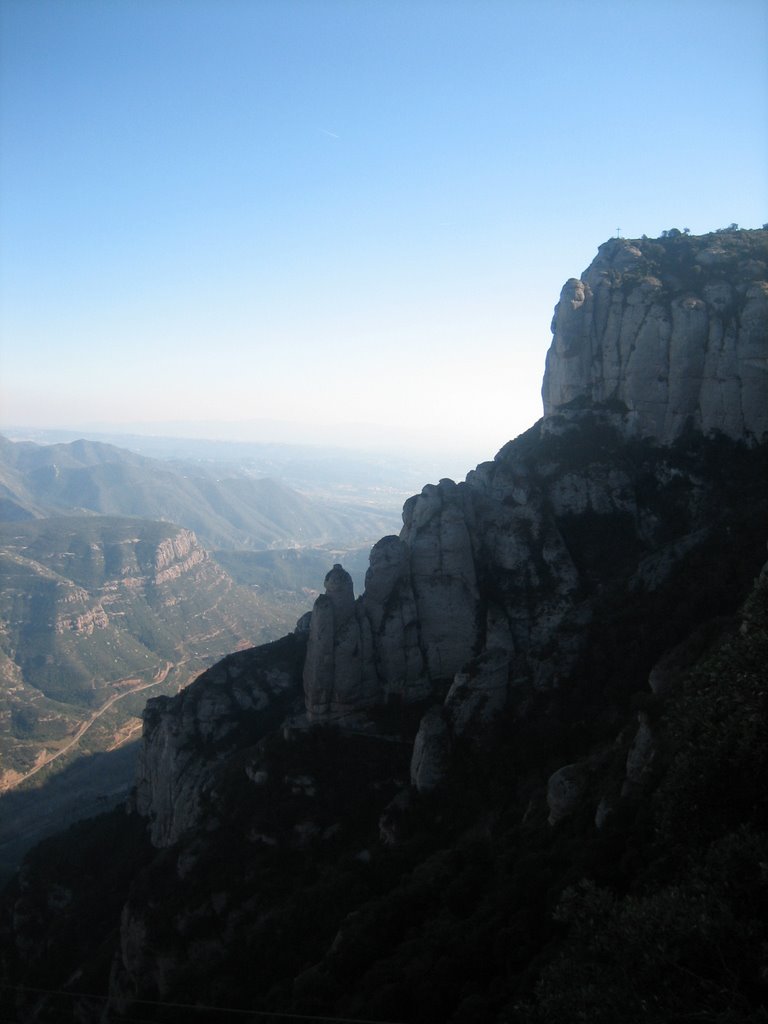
{"x": 486, "y": 563}
{"x": 505, "y": 583}
{"x": 390, "y": 813}
{"x": 670, "y": 330}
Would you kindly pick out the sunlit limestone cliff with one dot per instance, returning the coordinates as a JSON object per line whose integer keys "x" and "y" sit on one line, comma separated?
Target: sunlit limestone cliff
{"x": 519, "y": 778}
{"x": 671, "y": 331}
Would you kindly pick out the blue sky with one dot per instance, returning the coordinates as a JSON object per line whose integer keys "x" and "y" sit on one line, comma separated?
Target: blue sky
{"x": 344, "y": 218}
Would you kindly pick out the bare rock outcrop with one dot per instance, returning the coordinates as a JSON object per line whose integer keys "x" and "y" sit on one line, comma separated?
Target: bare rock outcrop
{"x": 78, "y": 612}
{"x": 177, "y": 555}
{"x": 672, "y": 331}
{"x": 187, "y": 736}
{"x": 565, "y": 791}
{"x": 641, "y": 757}
{"x": 417, "y": 621}
{"x": 431, "y": 751}
{"x": 479, "y": 693}
{"x": 427, "y": 607}
{"x": 477, "y": 696}
{"x": 437, "y": 532}
{"x": 499, "y": 589}
{"x": 338, "y": 675}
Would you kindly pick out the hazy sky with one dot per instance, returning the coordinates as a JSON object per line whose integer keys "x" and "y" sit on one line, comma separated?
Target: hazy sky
{"x": 345, "y": 212}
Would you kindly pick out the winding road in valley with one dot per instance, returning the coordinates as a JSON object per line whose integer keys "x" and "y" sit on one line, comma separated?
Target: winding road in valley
{"x": 83, "y": 728}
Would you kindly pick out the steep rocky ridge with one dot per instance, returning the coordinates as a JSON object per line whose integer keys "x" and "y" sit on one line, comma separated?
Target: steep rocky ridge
{"x": 232, "y": 705}
{"x": 546, "y": 679}
{"x": 528, "y": 557}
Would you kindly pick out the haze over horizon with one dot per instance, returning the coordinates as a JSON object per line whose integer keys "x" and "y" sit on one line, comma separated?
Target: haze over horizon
{"x": 344, "y": 221}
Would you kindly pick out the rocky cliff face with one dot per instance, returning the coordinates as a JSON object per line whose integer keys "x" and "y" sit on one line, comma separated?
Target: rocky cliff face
{"x": 241, "y": 696}
{"x": 672, "y": 331}
{"x": 502, "y": 585}
{"x": 394, "y": 798}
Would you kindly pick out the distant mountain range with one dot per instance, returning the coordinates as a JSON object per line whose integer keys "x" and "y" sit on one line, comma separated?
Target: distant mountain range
{"x": 388, "y": 477}
{"x": 230, "y": 510}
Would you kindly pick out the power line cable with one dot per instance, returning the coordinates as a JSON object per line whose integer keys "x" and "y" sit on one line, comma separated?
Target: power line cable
{"x": 197, "y": 1008}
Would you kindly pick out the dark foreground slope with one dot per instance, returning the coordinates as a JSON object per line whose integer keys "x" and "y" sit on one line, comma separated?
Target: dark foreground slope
{"x": 521, "y": 778}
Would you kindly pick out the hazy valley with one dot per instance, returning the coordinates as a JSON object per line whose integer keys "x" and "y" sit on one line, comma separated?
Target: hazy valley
{"x": 222, "y": 502}
{"x": 109, "y": 594}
